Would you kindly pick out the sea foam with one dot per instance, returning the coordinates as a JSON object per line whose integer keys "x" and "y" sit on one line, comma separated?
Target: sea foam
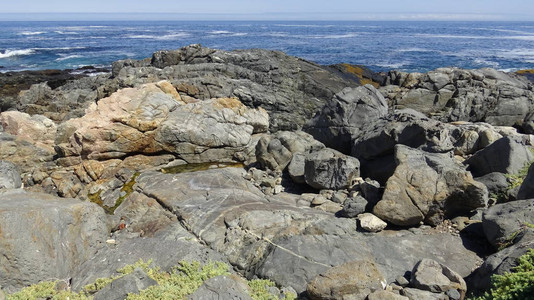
{"x": 11, "y": 53}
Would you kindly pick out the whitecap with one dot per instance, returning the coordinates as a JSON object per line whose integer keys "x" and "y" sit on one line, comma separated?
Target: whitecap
{"x": 219, "y": 32}
{"x": 160, "y": 37}
{"x": 32, "y": 32}
{"x": 59, "y": 48}
{"x": 333, "y": 36}
{"x": 11, "y": 53}
{"x": 65, "y": 32}
{"x": 67, "y": 57}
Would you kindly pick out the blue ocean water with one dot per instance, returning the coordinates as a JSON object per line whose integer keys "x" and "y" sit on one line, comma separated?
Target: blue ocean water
{"x": 382, "y": 46}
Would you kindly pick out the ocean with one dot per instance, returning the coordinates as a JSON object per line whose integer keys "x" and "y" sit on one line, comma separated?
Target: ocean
{"x": 382, "y": 46}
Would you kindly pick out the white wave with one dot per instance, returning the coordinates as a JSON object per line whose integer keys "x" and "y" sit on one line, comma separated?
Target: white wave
{"x": 160, "y": 37}
{"x": 32, "y": 32}
{"x": 396, "y": 65}
{"x": 278, "y": 34}
{"x": 486, "y": 63}
{"x": 333, "y": 36}
{"x": 67, "y": 57}
{"x": 509, "y": 70}
{"x": 303, "y": 25}
{"x": 11, "y": 53}
{"x": 59, "y": 48}
{"x": 65, "y": 32}
{"x": 220, "y": 32}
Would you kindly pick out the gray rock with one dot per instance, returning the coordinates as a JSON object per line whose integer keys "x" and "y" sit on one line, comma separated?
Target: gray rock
{"x": 371, "y": 191}
{"x": 526, "y": 190}
{"x": 222, "y": 287}
{"x": 453, "y": 294}
{"x": 427, "y": 187}
{"x": 353, "y": 207}
{"x": 429, "y": 275}
{"x": 296, "y": 168}
{"x": 501, "y": 221}
{"x": 46, "y": 237}
{"x": 495, "y": 182}
{"x": 354, "y": 280}
{"x": 507, "y": 155}
{"x": 416, "y": 294}
{"x": 276, "y": 152}
{"x": 9, "y": 176}
{"x": 128, "y": 250}
{"x": 119, "y": 289}
{"x": 385, "y": 295}
{"x": 371, "y": 223}
{"x": 330, "y": 169}
{"x": 342, "y": 118}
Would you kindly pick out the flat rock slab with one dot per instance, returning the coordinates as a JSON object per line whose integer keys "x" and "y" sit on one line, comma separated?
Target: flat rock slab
{"x": 45, "y": 237}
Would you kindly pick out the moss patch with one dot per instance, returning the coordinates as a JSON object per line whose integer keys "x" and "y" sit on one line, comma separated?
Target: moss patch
{"x": 528, "y": 71}
{"x": 188, "y": 168}
{"x": 126, "y": 190}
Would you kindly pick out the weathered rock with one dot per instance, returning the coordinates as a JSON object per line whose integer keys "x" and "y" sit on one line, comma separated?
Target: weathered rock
{"x": 44, "y": 237}
{"x": 25, "y": 155}
{"x": 507, "y": 155}
{"x": 495, "y": 182}
{"x": 353, "y": 207}
{"x": 330, "y": 169}
{"x": 501, "y": 221}
{"x": 452, "y": 94}
{"x": 35, "y": 128}
{"x": 416, "y": 294}
{"x": 296, "y": 168}
{"x": 385, "y": 295}
{"x": 275, "y": 152}
{"x": 526, "y": 191}
{"x": 148, "y": 120}
{"x": 9, "y": 176}
{"x": 371, "y": 223}
{"x": 429, "y": 275}
{"x": 342, "y": 118}
{"x": 120, "y": 288}
{"x": 427, "y": 187}
{"x": 128, "y": 250}
{"x": 371, "y": 191}
{"x": 221, "y": 287}
{"x": 354, "y": 280}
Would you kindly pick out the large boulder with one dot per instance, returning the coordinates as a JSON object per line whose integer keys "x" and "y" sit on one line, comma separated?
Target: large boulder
{"x": 354, "y": 280}
{"x": 276, "y": 151}
{"x": 44, "y": 237}
{"x": 36, "y": 128}
{"x": 502, "y": 221}
{"x": 152, "y": 119}
{"x": 330, "y": 169}
{"x": 342, "y": 118}
{"x": 507, "y": 155}
{"x": 9, "y": 176}
{"x": 426, "y": 187}
{"x": 526, "y": 190}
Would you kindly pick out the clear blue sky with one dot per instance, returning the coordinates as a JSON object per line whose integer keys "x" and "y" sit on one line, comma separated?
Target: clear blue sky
{"x": 285, "y": 9}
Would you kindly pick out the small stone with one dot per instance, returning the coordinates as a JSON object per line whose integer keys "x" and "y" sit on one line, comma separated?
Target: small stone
{"x": 453, "y": 294}
{"x": 371, "y": 222}
{"x": 278, "y": 189}
{"x": 402, "y": 281}
{"x": 111, "y": 241}
{"x": 318, "y": 200}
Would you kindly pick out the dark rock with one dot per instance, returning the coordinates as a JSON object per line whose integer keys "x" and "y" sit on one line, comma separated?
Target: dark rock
{"x": 46, "y": 237}
{"x": 427, "y": 187}
{"x": 120, "y": 288}
{"x": 371, "y": 191}
{"x": 222, "y": 287}
{"x": 495, "y": 182}
{"x": 9, "y": 176}
{"x": 507, "y": 155}
{"x": 429, "y": 275}
{"x": 354, "y": 280}
{"x": 526, "y": 190}
{"x": 330, "y": 169}
{"x": 503, "y": 220}
{"x": 357, "y": 73}
{"x": 343, "y": 117}
{"x": 353, "y": 207}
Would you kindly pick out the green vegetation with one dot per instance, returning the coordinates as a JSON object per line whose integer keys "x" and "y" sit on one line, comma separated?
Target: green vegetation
{"x": 514, "y": 181}
{"x": 188, "y": 168}
{"x": 126, "y": 190}
{"x": 517, "y": 285}
{"x": 180, "y": 282}
{"x": 511, "y": 239}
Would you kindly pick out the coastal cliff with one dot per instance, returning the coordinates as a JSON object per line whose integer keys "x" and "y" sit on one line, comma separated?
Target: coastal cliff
{"x": 333, "y": 182}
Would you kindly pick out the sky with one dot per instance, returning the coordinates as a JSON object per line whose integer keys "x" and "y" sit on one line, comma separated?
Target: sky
{"x": 509, "y": 10}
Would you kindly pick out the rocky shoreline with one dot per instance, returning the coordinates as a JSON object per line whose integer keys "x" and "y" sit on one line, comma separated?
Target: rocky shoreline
{"x": 333, "y": 182}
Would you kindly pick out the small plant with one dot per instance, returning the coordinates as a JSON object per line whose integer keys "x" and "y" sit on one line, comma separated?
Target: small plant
{"x": 46, "y": 290}
{"x": 517, "y": 285}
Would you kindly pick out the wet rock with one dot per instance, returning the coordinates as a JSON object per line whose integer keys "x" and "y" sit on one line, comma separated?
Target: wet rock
{"x": 330, "y": 169}
{"x": 355, "y": 279}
